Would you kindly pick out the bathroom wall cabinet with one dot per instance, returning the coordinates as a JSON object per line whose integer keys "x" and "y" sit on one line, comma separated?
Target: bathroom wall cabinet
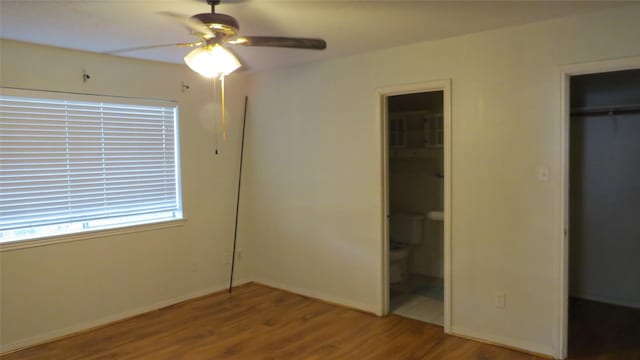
{"x": 413, "y": 133}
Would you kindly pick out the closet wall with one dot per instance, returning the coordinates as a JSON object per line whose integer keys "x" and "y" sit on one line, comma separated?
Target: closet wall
{"x": 605, "y": 188}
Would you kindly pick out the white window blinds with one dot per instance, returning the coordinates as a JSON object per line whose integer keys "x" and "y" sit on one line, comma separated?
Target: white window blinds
{"x": 69, "y": 165}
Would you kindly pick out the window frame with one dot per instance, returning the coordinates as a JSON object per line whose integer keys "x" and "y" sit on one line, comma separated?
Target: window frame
{"x": 116, "y": 229}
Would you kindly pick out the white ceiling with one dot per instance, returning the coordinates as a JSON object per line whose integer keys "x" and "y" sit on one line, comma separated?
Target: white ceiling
{"x": 349, "y": 27}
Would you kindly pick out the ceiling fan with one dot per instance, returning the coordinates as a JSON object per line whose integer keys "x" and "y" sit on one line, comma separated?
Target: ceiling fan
{"x": 212, "y": 57}
{"x": 216, "y": 31}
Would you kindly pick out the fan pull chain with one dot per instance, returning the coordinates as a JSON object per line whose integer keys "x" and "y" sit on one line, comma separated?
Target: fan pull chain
{"x": 224, "y": 125}
{"x": 215, "y": 125}
{"x": 219, "y": 123}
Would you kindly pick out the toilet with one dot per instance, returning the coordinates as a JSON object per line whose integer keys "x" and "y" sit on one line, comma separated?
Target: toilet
{"x": 405, "y": 232}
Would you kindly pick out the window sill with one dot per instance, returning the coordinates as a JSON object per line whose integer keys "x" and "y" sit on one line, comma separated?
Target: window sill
{"x": 88, "y": 235}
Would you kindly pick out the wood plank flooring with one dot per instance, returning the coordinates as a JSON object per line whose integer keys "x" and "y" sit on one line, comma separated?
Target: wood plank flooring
{"x": 258, "y": 322}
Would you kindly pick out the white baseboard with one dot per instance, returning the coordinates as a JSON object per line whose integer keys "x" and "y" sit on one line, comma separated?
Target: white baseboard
{"x": 58, "y": 333}
{"x": 511, "y": 343}
{"x": 369, "y": 308}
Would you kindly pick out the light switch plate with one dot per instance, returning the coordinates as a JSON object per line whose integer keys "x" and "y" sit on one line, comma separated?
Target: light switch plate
{"x": 501, "y": 300}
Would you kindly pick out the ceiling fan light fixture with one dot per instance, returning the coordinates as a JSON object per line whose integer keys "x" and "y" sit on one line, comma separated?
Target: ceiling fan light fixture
{"x": 212, "y": 61}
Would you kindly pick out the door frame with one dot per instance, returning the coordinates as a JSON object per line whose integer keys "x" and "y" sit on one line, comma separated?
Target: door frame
{"x": 566, "y": 73}
{"x": 383, "y": 94}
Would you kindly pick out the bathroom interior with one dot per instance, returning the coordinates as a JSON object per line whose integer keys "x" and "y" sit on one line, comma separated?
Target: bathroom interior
{"x": 416, "y": 203}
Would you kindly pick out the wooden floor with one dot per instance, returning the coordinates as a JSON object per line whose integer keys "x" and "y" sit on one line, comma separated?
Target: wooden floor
{"x": 603, "y": 331}
{"x": 258, "y": 322}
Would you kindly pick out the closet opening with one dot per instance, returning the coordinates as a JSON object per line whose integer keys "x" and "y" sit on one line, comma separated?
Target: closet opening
{"x": 604, "y": 215}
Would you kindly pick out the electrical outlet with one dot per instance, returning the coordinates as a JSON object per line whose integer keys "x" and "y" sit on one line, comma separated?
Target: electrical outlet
{"x": 501, "y": 300}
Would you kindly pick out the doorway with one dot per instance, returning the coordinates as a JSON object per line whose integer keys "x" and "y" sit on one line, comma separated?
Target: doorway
{"x": 601, "y": 309}
{"x": 416, "y": 128}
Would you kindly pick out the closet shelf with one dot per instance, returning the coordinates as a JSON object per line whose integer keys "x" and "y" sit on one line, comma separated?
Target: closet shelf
{"x": 606, "y": 110}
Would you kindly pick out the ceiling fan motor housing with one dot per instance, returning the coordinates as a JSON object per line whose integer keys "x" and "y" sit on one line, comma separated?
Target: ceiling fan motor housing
{"x": 222, "y": 24}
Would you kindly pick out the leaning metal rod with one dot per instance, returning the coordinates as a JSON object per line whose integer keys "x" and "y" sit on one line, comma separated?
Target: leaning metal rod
{"x": 235, "y": 229}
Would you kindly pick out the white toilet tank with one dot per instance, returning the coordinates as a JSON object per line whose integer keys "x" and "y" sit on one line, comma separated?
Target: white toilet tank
{"x": 407, "y": 228}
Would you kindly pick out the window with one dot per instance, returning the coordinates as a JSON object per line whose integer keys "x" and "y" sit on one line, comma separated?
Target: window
{"x": 74, "y": 163}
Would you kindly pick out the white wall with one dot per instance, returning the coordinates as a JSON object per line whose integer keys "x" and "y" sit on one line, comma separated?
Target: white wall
{"x": 314, "y": 208}
{"x": 52, "y": 290}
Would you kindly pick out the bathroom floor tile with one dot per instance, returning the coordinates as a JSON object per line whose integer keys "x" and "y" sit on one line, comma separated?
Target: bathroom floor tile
{"x": 407, "y": 300}
{"x": 421, "y": 308}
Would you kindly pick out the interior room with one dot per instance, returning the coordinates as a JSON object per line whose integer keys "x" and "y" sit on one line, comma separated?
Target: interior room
{"x": 275, "y": 166}
{"x": 416, "y": 203}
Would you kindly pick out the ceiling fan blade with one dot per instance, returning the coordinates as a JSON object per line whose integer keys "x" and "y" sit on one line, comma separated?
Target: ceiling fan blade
{"x": 243, "y": 63}
{"x": 277, "y": 41}
{"x": 193, "y": 24}
{"x": 137, "y": 48}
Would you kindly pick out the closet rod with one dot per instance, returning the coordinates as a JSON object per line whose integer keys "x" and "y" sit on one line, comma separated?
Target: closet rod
{"x": 607, "y": 111}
